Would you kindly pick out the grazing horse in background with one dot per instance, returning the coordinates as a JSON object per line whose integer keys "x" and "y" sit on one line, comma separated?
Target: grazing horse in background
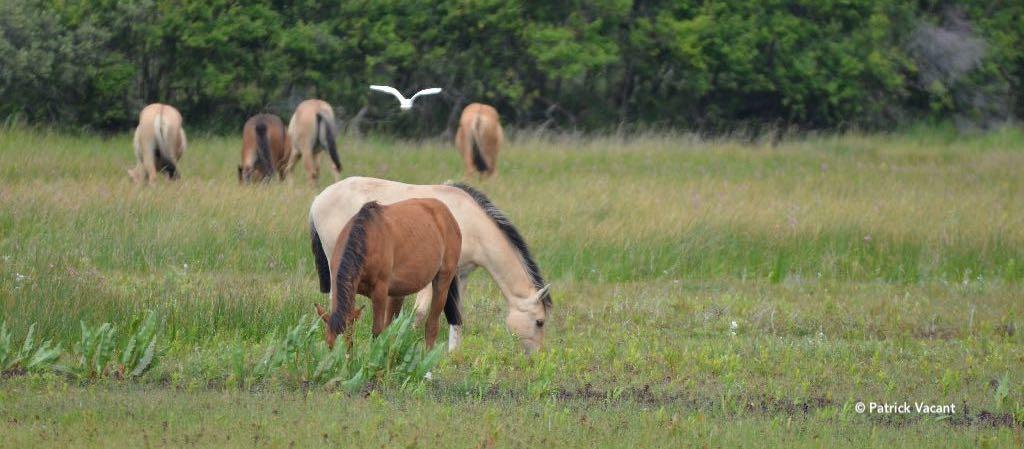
{"x": 159, "y": 143}
{"x": 265, "y": 149}
{"x": 489, "y": 240}
{"x": 311, "y": 130}
{"x": 388, "y": 252}
{"x": 479, "y": 139}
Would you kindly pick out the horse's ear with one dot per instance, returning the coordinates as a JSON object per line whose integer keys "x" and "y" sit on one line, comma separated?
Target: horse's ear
{"x": 320, "y": 312}
{"x": 543, "y": 291}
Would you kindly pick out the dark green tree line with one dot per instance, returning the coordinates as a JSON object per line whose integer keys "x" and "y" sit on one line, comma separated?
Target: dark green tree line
{"x": 590, "y": 65}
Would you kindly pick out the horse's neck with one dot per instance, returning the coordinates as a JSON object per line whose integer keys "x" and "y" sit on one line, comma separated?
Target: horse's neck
{"x": 505, "y": 266}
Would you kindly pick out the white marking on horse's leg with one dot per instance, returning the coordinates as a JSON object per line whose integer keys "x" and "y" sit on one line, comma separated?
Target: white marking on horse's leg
{"x": 454, "y": 337}
{"x": 423, "y": 303}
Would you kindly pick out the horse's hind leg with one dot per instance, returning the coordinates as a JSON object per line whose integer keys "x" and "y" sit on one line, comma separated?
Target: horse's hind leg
{"x": 463, "y": 146}
{"x": 312, "y": 163}
{"x": 293, "y": 156}
{"x": 149, "y": 163}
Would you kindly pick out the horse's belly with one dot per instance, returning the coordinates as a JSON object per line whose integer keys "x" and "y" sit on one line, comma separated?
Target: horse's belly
{"x": 410, "y": 278}
{"x": 406, "y": 286}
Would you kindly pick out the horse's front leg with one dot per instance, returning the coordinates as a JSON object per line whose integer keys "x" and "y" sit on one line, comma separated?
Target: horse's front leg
{"x": 394, "y": 308}
{"x": 380, "y": 300}
{"x": 423, "y": 303}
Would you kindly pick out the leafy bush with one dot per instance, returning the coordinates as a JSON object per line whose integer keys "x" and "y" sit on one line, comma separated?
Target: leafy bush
{"x": 301, "y": 357}
{"x": 586, "y": 64}
{"x": 140, "y": 353}
{"x": 95, "y": 351}
{"x": 31, "y": 357}
{"x": 100, "y": 355}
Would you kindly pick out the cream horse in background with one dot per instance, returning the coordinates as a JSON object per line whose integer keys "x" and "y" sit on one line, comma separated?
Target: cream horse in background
{"x": 311, "y": 130}
{"x": 159, "y": 143}
{"x": 489, "y": 240}
{"x": 479, "y": 139}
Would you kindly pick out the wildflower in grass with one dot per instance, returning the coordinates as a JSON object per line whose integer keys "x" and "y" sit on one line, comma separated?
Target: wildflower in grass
{"x": 732, "y": 328}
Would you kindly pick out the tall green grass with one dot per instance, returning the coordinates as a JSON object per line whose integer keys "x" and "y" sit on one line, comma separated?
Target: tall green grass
{"x": 854, "y": 267}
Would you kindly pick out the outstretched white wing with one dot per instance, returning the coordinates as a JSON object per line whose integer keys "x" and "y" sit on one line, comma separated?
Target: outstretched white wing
{"x": 431, "y": 91}
{"x": 389, "y": 90}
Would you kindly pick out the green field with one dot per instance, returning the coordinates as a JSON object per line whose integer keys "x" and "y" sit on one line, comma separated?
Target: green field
{"x": 883, "y": 268}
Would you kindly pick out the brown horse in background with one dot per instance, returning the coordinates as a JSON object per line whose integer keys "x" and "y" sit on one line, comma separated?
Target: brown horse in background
{"x": 479, "y": 138}
{"x": 265, "y": 149}
{"x": 159, "y": 143}
{"x": 311, "y": 130}
{"x": 387, "y": 253}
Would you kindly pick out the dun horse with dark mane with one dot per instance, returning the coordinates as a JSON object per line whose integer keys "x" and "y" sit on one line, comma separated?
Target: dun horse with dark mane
{"x": 159, "y": 143}
{"x": 311, "y": 130}
{"x": 265, "y": 149}
{"x": 479, "y": 139}
{"x": 387, "y": 253}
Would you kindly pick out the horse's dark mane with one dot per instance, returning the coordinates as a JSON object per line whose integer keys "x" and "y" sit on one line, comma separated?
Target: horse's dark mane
{"x": 350, "y": 265}
{"x": 512, "y": 234}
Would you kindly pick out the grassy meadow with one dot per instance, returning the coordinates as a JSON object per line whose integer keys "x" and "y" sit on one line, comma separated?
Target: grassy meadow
{"x": 708, "y": 293}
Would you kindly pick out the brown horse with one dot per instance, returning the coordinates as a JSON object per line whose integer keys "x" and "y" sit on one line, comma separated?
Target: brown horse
{"x": 159, "y": 143}
{"x": 387, "y": 253}
{"x": 479, "y": 139}
{"x": 265, "y": 149}
{"x": 312, "y": 129}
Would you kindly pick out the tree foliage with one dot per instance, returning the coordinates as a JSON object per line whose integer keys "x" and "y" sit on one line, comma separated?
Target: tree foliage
{"x": 586, "y": 64}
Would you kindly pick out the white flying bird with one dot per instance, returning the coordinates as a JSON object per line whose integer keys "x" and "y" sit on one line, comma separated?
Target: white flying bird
{"x": 406, "y": 103}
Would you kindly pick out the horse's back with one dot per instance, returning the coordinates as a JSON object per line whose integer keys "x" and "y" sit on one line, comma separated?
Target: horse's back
{"x": 471, "y": 111}
{"x": 339, "y": 202}
{"x": 304, "y": 118}
{"x": 423, "y": 238}
{"x": 276, "y": 135}
{"x": 480, "y": 131}
{"x": 160, "y": 127}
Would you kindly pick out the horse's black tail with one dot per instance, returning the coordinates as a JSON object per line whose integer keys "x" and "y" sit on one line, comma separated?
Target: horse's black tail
{"x": 332, "y": 146}
{"x": 474, "y": 141}
{"x": 263, "y": 158}
{"x": 323, "y": 269}
{"x": 452, "y": 311}
{"x": 164, "y": 165}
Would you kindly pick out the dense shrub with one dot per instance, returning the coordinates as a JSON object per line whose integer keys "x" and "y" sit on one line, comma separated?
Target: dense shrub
{"x": 596, "y": 64}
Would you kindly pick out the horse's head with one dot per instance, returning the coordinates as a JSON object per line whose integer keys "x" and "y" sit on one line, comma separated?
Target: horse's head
{"x": 329, "y": 334}
{"x": 526, "y": 319}
{"x": 249, "y": 174}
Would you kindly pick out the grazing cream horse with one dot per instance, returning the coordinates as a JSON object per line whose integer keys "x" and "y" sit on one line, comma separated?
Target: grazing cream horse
{"x": 311, "y": 130}
{"x": 159, "y": 143}
{"x": 265, "y": 149}
{"x": 479, "y": 139}
{"x": 489, "y": 240}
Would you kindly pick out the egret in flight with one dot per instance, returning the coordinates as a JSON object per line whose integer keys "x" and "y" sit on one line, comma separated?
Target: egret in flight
{"x": 406, "y": 103}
